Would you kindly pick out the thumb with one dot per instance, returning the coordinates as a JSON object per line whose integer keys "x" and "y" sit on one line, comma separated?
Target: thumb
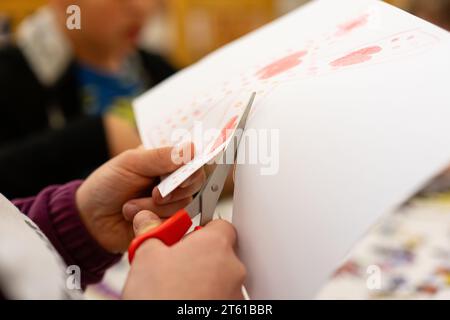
{"x": 156, "y": 162}
{"x": 144, "y": 221}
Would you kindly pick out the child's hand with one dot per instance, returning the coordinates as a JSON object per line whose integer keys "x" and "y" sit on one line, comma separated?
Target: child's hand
{"x": 201, "y": 266}
{"x": 131, "y": 175}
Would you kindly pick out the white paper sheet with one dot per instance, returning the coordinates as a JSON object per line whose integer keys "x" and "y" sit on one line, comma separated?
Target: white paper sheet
{"x": 359, "y": 94}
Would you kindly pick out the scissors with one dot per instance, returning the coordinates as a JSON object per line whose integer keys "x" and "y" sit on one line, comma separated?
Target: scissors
{"x": 204, "y": 203}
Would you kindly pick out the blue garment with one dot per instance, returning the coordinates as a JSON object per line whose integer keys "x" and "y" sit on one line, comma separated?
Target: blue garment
{"x": 102, "y": 91}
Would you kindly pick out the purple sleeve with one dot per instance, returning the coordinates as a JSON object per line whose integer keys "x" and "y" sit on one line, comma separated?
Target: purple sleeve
{"x": 55, "y": 212}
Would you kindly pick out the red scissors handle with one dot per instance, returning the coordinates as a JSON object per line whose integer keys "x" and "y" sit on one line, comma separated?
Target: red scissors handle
{"x": 170, "y": 232}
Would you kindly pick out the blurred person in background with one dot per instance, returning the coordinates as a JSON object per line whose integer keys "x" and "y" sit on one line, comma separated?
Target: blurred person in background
{"x": 4, "y": 29}
{"x": 65, "y": 95}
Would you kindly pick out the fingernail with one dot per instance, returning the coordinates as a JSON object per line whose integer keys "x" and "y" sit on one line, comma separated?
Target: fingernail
{"x": 183, "y": 153}
{"x": 186, "y": 150}
{"x": 166, "y": 199}
{"x": 144, "y": 222}
{"x": 149, "y": 226}
{"x": 148, "y": 222}
{"x": 186, "y": 184}
{"x": 130, "y": 210}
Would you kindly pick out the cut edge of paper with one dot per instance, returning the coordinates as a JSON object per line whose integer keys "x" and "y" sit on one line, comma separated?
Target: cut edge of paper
{"x": 175, "y": 179}
{"x": 183, "y": 173}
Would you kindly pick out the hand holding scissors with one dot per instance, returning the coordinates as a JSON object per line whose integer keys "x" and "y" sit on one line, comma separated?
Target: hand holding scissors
{"x": 204, "y": 203}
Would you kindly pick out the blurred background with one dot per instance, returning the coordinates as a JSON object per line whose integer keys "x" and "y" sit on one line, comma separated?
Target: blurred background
{"x": 186, "y": 30}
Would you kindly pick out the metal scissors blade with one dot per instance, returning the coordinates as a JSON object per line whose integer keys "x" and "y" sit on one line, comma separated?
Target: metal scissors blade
{"x": 206, "y": 200}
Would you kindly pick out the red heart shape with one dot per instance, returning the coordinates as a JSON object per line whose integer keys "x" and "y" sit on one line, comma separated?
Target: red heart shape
{"x": 225, "y": 133}
{"x": 356, "y": 57}
{"x": 281, "y": 65}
